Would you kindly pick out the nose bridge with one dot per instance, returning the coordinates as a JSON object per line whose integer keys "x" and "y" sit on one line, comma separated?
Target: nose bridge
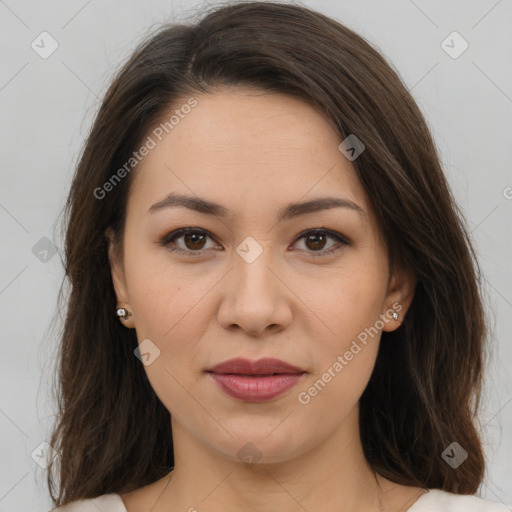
{"x": 254, "y": 298}
{"x": 252, "y": 264}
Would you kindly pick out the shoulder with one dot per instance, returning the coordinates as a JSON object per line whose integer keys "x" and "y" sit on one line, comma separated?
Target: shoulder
{"x": 105, "y": 503}
{"x": 436, "y": 500}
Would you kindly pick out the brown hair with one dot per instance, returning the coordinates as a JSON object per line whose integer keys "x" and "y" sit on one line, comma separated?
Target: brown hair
{"x": 113, "y": 434}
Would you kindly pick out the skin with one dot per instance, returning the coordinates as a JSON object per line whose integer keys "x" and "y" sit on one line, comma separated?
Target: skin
{"x": 254, "y": 152}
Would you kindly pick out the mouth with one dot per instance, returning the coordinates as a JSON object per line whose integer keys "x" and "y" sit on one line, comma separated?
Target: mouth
{"x": 256, "y": 381}
{"x": 263, "y": 367}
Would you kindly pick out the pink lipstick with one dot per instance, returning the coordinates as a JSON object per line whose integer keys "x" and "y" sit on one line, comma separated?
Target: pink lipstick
{"x": 256, "y": 381}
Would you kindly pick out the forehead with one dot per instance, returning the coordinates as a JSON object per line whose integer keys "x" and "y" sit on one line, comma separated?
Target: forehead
{"x": 249, "y": 145}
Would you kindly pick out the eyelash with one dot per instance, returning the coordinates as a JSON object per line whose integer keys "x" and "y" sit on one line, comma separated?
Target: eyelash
{"x": 170, "y": 237}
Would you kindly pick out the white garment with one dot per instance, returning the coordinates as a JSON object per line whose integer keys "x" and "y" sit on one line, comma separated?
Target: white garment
{"x": 434, "y": 500}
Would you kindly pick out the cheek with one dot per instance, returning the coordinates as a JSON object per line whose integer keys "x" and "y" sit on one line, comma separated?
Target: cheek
{"x": 166, "y": 296}
{"x": 344, "y": 302}
{"x": 353, "y": 312}
{"x": 170, "y": 311}
{"x": 346, "y": 357}
{"x": 169, "y": 308}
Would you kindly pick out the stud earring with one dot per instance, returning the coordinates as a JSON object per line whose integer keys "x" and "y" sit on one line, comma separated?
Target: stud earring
{"x": 395, "y": 315}
{"x": 123, "y": 313}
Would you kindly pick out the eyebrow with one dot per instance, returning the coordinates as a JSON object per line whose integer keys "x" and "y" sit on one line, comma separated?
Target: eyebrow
{"x": 292, "y": 210}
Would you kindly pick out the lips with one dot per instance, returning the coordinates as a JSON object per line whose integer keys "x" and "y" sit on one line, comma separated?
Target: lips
{"x": 265, "y": 366}
{"x": 256, "y": 381}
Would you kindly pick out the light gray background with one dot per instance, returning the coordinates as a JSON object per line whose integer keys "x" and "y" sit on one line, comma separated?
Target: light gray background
{"x": 47, "y": 106}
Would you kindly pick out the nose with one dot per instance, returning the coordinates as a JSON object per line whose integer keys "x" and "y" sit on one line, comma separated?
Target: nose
{"x": 256, "y": 298}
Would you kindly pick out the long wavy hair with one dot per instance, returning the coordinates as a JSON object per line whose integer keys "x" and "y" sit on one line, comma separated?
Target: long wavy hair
{"x": 112, "y": 433}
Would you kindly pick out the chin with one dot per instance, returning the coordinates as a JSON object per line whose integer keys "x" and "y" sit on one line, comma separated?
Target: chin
{"x": 266, "y": 444}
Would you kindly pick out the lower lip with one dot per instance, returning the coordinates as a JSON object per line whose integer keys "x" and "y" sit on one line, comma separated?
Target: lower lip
{"x": 256, "y": 389}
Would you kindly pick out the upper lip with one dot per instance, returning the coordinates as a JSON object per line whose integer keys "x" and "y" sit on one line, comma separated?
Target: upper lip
{"x": 264, "y": 366}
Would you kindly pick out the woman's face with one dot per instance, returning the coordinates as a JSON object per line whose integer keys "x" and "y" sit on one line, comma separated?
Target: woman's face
{"x": 253, "y": 281}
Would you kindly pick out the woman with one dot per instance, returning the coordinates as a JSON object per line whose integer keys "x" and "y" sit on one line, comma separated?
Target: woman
{"x": 274, "y": 300}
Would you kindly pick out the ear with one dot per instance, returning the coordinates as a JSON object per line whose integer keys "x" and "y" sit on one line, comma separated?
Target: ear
{"x": 399, "y": 297}
{"x": 118, "y": 275}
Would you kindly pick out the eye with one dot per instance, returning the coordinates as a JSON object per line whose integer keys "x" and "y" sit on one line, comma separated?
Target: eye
{"x": 315, "y": 239}
{"x": 193, "y": 240}
{"x": 193, "y": 243}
